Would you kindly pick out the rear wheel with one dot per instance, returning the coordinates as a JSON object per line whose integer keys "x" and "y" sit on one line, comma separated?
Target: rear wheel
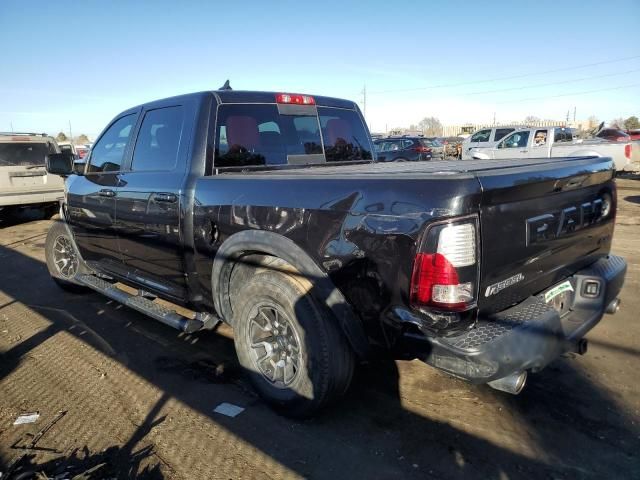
{"x": 63, "y": 261}
{"x": 296, "y": 356}
{"x": 400, "y": 159}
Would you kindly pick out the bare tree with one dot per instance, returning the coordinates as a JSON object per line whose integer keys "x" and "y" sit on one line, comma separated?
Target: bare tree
{"x": 430, "y": 126}
{"x": 617, "y": 123}
{"x": 61, "y": 137}
{"x": 592, "y": 122}
{"x": 82, "y": 138}
{"x": 531, "y": 119}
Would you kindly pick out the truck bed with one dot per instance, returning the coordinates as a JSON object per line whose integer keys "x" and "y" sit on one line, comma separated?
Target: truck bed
{"x": 464, "y": 168}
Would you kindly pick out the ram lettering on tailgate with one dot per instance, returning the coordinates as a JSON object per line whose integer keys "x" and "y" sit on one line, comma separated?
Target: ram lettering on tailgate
{"x": 553, "y": 225}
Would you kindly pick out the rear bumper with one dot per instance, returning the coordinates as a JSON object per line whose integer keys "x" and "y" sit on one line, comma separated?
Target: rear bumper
{"x": 52, "y": 195}
{"x": 527, "y": 336}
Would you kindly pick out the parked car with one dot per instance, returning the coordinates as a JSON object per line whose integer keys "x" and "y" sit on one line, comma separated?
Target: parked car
{"x": 267, "y": 211}
{"x": 24, "y": 181}
{"x": 613, "y": 135}
{"x": 437, "y": 148}
{"x": 403, "y": 149}
{"x": 485, "y": 138}
{"x": 82, "y": 151}
{"x": 558, "y": 142}
{"x": 634, "y": 134}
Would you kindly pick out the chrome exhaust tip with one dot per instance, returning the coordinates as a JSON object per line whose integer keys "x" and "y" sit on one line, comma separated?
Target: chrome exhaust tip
{"x": 613, "y": 307}
{"x": 512, "y": 384}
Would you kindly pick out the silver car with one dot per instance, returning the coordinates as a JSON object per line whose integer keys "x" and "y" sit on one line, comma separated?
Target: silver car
{"x": 24, "y": 182}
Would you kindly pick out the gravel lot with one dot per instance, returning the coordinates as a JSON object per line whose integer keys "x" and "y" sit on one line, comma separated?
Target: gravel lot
{"x": 139, "y": 397}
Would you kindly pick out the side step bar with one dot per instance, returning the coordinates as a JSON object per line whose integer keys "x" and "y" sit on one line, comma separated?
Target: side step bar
{"x": 148, "y": 307}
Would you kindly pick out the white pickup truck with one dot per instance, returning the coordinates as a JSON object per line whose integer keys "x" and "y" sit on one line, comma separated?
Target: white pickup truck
{"x": 540, "y": 142}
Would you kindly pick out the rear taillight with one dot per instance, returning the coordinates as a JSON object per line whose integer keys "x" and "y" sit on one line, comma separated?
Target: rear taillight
{"x": 627, "y": 151}
{"x": 445, "y": 271}
{"x": 295, "y": 99}
{"x": 421, "y": 149}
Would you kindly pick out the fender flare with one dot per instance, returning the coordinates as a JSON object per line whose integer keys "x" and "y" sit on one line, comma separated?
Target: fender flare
{"x": 282, "y": 247}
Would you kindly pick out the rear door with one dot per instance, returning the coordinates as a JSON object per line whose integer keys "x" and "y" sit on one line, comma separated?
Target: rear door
{"x": 149, "y": 199}
{"x": 542, "y": 220}
{"x": 91, "y": 198}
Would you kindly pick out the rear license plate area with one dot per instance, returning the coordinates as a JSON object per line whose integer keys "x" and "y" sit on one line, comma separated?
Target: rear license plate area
{"x": 560, "y": 297}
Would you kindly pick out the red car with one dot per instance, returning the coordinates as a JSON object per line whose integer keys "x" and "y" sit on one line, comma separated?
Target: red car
{"x": 613, "y": 134}
{"x": 634, "y": 134}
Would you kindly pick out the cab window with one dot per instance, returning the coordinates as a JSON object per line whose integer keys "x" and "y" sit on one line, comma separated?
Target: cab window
{"x": 515, "y": 140}
{"x": 108, "y": 152}
{"x": 159, "y": 139}
{"x": 481, "y": 136}
{"x": 501, "y": 133}
{"x": 255, "y": 135}
{"x": 540, "y": 138}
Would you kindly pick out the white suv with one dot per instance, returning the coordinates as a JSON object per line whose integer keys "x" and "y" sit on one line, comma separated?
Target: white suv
{"x": 23, "y": 178}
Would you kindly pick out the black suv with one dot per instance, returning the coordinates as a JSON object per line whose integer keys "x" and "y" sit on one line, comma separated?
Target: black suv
{"x": 403, "y": 149}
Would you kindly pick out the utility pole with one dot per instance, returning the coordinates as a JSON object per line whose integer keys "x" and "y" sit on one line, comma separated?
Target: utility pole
{"x": 11, "y": 123}
{"x": 70, "y": 134}
{"x": 494, "y": 118}
{"x": 574, "y": 115}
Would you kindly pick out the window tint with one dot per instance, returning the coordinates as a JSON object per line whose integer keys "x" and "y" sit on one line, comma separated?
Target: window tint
{"x": 344, "y": 135}
{"x": 516, "y": 140}
{"x": 158, "y": 141}
{"x": 252, "y": 135}
{"x": 24, "y": 154}
{"x": 108, "y": 152}
{"x": 501, "y": 133}
{"x": 481, "y": 136}
{"x": 407, "y": 144}
{"x": 562, "y": 135}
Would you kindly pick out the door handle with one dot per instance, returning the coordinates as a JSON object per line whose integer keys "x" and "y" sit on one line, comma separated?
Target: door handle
{"x": 107, "y": 193}
{"x": 165, "y": 197}
{"x": 524, "y": 151}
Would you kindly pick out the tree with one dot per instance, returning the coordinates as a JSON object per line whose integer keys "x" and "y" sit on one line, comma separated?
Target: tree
{"x": 61, "y": 137}
{"x": 632, "y": 123}
{"x": 617, "y": 123}
{"x": 82, "y": 138}
{"x": 430, "y": 126}
{"x": 531, "y": 119}
{"x": 592, "y": 122}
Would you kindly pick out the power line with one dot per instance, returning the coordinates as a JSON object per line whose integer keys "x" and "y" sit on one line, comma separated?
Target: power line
{"x": 511, "y": 77}
{"x": 572, "y": 94}
{"x": 561, "y": 82}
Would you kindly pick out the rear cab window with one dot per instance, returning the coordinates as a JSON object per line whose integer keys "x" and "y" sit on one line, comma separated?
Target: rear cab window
{"x": 274, "y": 135}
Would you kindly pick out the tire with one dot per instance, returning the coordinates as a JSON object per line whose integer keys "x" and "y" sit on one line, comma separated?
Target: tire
{"x": 400, "y": 160}
{"x": 57, "y": 237}
{"x": 308, "y": 337}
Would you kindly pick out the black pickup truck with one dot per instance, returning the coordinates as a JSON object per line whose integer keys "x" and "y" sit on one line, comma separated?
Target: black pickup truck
{"x": 268, "y": 211}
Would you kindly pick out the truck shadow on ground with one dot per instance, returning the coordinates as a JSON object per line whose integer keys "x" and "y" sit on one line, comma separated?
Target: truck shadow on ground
{"x": 571, "y": 427}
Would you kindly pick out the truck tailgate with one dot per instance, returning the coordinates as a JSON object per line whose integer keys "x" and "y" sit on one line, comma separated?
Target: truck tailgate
{"x": 541, "y": 222}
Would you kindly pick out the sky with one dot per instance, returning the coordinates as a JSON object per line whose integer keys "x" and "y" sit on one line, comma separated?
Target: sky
{"x": 84, "y": 62}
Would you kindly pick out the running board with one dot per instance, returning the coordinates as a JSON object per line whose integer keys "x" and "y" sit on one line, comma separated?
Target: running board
{"x": 148, "y": 307}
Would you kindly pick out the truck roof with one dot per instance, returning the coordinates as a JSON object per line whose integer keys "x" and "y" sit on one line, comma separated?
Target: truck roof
{"x": 251, "y": 96}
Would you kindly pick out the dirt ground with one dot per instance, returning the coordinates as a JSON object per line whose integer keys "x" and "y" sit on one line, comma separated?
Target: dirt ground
{"x": 139, "y": 397}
